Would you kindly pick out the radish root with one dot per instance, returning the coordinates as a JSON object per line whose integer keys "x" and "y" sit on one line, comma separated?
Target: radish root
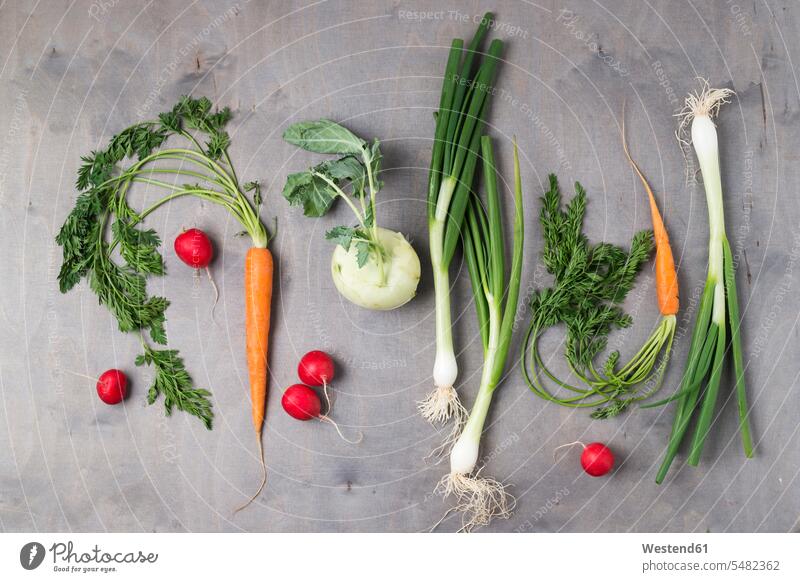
{"x": 263, "y": 477}
{"x": 324, "y": 418}
{"x": 216, "y": 293}
{"x": 327, "y": 398}
{"x": 572, "y": 444}
{"x": 81, "y": 375}
{"x": 478, "y": 499}
{"x": 328, "y": 419}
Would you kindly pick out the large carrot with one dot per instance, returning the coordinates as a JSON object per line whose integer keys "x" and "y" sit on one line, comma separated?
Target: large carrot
{"x": 258, "y": 271}
{"x": 666, "y": 275}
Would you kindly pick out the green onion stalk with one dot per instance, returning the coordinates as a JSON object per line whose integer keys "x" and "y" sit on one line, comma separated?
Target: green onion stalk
{"x": 717, "y": 325}
{"x": 480, "y": 499}
{"x": 462, "y": 109}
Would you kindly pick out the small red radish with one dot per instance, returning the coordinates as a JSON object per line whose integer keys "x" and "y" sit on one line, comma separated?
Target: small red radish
{"x": 596, "y": 458}
{"x": 316, "y": 368}
{"x": 112, "y": 386}
{"x": 301, "y": 402}
{"x": 194, "y": 248}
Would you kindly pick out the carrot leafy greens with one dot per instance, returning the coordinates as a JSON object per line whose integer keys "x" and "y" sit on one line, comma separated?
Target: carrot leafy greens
{"x": 591, "y": 281}
{"x": 102, "y": 224}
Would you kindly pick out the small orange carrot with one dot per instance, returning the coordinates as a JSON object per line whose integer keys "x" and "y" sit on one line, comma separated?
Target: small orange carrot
{"x": 258, "y": 272}
{"x": 666, "y": 275}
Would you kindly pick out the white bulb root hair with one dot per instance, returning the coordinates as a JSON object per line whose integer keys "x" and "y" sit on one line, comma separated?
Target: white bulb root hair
{"x": 703, "y": 103}
{"x": 478, "y": 499}
{"x": 441, "y": 405}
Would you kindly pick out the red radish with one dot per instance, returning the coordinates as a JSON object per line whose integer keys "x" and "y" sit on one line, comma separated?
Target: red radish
{"x": 596, "y": 459}
{"x": 301, "y": 402}
{"x": 112, "y": 386}
{"x": 315, "y": 368}
{"x": 194, "y": 248}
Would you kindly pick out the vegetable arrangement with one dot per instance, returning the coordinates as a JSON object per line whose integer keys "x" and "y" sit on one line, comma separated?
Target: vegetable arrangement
{"x": 463, "y": 106}
{"x": 371, "y": 266}
{"x": 105, "y": 241}
{"x": 591, "y": 281}
{"x": 480, "y": 498}
{"x": 103, "y": 225}
{"x": 719, "y": 307}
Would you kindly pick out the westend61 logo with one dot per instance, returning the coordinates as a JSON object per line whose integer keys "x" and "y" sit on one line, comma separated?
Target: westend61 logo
{"x": 67, "y": 559}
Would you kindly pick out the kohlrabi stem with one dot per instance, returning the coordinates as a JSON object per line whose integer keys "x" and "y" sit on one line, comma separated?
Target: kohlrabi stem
{"x": 343, "y": 196}
{"x": 377, "y": 247}
{"x": 368, "y": 164}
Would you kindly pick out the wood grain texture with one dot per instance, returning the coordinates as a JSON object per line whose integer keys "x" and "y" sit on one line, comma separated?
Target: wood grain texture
{"x": 72, "y": 74}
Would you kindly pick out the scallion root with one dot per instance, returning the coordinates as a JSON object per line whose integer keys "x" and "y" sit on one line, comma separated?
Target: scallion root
{"x": 705, "y": 102}
{"x": 478, "y": 499}
{"x": 446, "y": 446}
{"x": 441, "y": 405}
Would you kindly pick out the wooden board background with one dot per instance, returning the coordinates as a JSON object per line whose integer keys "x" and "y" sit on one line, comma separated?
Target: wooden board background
{"x": 74, "y": 73}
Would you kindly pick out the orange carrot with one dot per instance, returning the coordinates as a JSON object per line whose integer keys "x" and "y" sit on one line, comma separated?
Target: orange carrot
{"x": 666, "y": 275}
{"x": 258, "y": 271}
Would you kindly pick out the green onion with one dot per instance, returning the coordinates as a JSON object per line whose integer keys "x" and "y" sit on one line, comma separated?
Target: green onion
{"x": 462, "y": 108}
{"x": 496, "y": 298}
{"x": 719, "y": 308}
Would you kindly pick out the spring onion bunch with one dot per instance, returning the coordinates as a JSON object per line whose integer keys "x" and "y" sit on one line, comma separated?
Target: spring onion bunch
{"x": 462, "y": 108}
{"x": 719, "y": 309}
{"x": 496, "y": 296}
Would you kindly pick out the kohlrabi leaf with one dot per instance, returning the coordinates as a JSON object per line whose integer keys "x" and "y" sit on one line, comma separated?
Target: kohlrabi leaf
{"x": 324, "y": 136}
{"x": 362, "y": 253}
{"x": 346, "y": 169}
{"x": 376, "y": 157}
{"x": 343, "y": 235}
{"x": 314, "y": 193}
{"x": 309, "y": 191}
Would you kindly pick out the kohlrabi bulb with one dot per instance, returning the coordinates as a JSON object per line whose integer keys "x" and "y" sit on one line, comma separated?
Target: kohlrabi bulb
{"x": 363, "y": 285}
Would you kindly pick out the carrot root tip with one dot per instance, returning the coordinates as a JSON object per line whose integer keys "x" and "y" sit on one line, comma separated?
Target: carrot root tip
{"x": 263, "y": 477}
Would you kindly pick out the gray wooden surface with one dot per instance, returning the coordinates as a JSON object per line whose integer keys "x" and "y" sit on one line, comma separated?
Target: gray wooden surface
{"x": 73, "y": 73}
